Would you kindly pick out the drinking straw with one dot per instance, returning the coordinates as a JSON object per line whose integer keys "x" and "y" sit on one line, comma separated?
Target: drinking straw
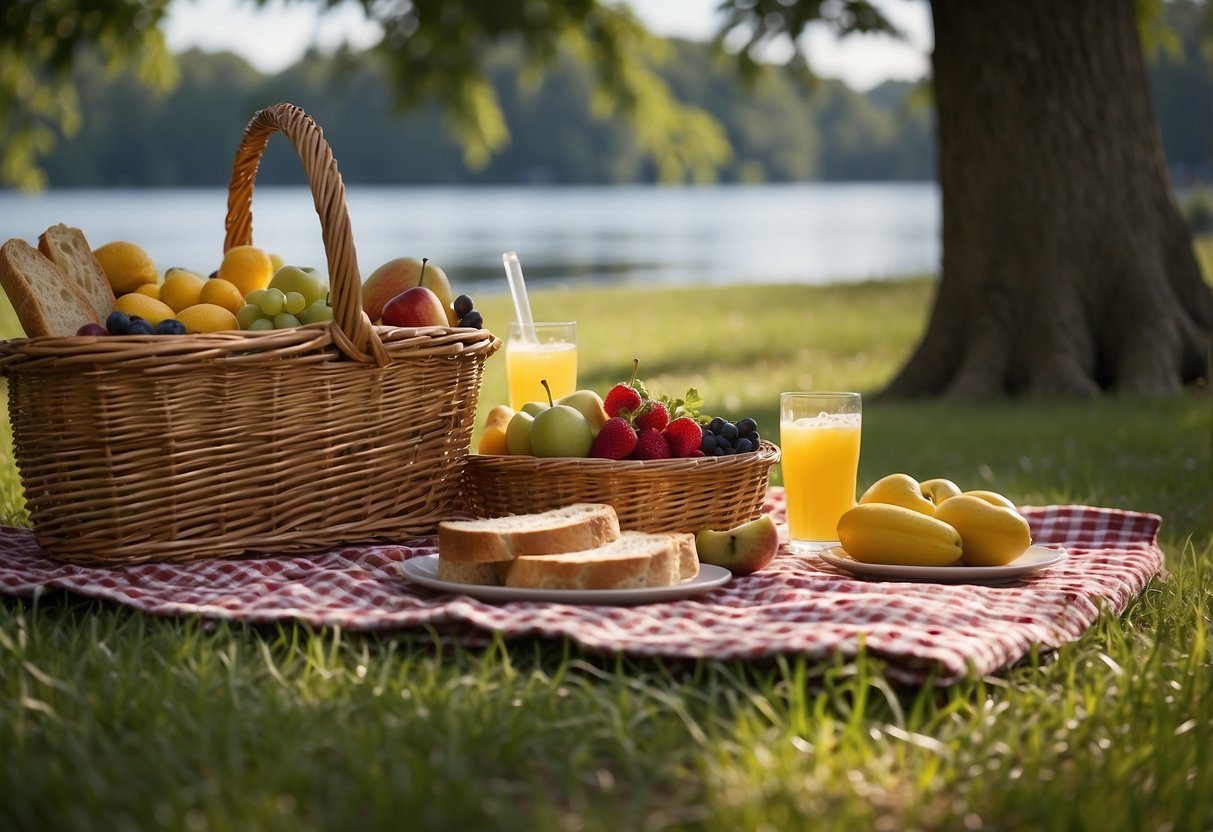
{"x": 522, "y": 305}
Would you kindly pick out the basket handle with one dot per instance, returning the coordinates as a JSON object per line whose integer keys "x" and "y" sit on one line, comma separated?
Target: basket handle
{"x": 352, "y": 331}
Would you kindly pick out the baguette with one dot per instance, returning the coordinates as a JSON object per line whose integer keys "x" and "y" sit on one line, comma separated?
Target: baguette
{"x": 568, "y": 529}
{"x": 66, "y": 248}
{"x": 633, "y": 560}
{"x": 46, "y": 301}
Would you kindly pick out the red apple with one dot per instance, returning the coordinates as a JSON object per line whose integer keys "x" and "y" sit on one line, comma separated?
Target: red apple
{"x": 394, "y": 276}
{"x": 417, "y": 306}
{"x": 742, "y": 550}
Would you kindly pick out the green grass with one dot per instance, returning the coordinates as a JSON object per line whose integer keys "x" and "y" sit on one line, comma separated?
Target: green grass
{"x": 114, "y": 719}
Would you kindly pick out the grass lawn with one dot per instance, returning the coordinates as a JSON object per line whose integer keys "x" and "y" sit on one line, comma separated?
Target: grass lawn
{"x": 112, "y": 719}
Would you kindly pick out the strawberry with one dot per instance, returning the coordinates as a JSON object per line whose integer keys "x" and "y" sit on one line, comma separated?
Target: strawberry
{"x": 683, "y": 435}
{"x": 616, "y": 440}
{"x": 622, "y": 396}
{"x": 652, "y": 415}
{"x": 650, "y": 444}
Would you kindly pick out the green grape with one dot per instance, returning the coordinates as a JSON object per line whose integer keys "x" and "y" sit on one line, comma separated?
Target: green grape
{"x": 295, "y": 303}
{"x": 261, "y": 324}
{"x": 317, "y": 312}
{"x": 285, "y": 320}
{"x": 248, "y": 314}
{"x": 272, "y": 302}
{"x": 254, "y": 297}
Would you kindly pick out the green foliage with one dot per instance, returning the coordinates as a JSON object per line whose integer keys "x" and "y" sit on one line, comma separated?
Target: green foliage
{"x": 39, "y": 41}
{"x": 150, "y": 722}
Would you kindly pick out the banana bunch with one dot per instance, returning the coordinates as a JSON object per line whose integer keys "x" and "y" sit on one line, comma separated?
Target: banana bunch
{"x": 901, "y": 521}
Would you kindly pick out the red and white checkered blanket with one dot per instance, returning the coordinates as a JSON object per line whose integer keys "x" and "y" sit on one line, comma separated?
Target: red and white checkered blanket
{"x": 799, "y": 604}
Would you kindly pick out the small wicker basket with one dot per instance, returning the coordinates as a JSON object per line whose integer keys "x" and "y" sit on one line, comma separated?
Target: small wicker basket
{"x": 660, "y": 495}
{"x": 135, "y": 449}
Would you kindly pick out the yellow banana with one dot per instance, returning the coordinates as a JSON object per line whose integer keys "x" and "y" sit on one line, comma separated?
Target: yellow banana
{"x": 938, "y": 490}
{"x": 898, "y": 490}
{"x": 992, "y": 497}
{"x": 883, "y": 533}
{"x": 992, "y": 535}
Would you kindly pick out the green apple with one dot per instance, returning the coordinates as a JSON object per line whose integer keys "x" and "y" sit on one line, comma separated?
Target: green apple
{"x": 518, "y": 434}
{"x": 742, "y": 550}
{"x": 561, "y": 430}
{"x": 395, "y": 276}
{"x": 590, "y": 405}
{"x": 307, "y": 282}
{"x": 317, "y": 312}
{"x": 534, "y": 408}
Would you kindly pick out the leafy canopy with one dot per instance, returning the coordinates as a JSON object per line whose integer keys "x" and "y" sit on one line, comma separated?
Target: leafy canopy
{"x": 435, "y": 52}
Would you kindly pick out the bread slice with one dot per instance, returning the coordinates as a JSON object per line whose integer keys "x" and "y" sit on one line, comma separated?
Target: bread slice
{"x": 633, "y": 560}
{"x": 688, "y": 556}
{"x": 46, "y": 301}
{"x": 66, "y": 248}
{"x": 567, "y": 529}
{"x": 484, "y": 574}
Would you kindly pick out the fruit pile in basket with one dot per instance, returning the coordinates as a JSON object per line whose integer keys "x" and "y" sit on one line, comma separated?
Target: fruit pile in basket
{"x": 65, "y": 287}
{"x": 628, "y": 423}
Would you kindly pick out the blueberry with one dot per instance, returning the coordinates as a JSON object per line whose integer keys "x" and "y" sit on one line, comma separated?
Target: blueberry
{"x": 747, "y": 426}
{"x": 743, "y": 445}
{"x": 138, "y": 326}
{"x": 708, "y": 443}
{"x": 755, "y": 439}
{"x": 472, "y": 319}
{"x": 715, "y": 425}
{"x": 719, "y": 451}
{"x": 462, "y": 305}
{"x": 729, "y": 431}
{"x": 117, "y": 322}
{"x": 170, "y": 326}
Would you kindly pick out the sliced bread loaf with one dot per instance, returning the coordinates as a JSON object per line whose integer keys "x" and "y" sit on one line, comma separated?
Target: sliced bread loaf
{"x": 484, "y": 574}
{"x": 66, "y": 248}
{"x": 46, "y": 301}
{"x": 567, "y": 529}
{"x": 633, "y": 560}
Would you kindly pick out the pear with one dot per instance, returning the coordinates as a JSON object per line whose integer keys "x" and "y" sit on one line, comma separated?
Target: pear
{"x": 741, "y": 550}
{"x": 590, "y": 405}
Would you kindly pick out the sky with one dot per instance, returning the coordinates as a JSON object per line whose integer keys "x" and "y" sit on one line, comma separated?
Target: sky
{"x": 276, "y": 35}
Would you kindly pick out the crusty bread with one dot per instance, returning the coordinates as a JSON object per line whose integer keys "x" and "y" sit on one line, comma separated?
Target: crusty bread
{"x": 567, "y": 529}
{"x": 633, "y": 560}
{"x": 688, "y": 556}
{"x": 484, "y": 574}
{"x": 46, "y": 301}
{"x": 66, "y": 248}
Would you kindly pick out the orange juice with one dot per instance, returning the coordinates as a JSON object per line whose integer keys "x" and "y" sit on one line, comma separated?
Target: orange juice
{"x": 526, "y": 364}
{"x": 820, "y": 460}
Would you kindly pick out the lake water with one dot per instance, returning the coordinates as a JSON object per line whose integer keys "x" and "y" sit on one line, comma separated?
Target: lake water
{"x": 812, "y": 233}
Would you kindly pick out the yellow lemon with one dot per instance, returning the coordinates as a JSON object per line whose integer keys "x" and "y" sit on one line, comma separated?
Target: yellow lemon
{"x": 207, "y": 317}
{"x": 126, "y": 265}
{"x": 151, "y": 310}
{"x": 223, "y": 293}
{"x": 278, "y": 262}
{"x": 152, "y": 290}
{"x": 492, "y": 442}
{"x": 247, "y": 268}
{"x": 181, "y": 289}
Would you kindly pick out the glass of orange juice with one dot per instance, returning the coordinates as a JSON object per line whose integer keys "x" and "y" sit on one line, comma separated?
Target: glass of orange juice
{"x": 819, "y": 446}
{"x": 548, "y": 351}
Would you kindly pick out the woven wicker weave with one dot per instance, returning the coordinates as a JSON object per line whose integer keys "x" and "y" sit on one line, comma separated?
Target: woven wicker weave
{"x": 660, "y": 495}
{"x": 136, "y": 449}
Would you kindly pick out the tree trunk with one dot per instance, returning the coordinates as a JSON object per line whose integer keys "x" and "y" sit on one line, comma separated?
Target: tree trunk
{"x": 1067, "y": 267}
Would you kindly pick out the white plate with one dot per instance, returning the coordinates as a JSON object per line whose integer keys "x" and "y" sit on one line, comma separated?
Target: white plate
{"x": 424, "y": 571}
{"x": 1035, "y": 558}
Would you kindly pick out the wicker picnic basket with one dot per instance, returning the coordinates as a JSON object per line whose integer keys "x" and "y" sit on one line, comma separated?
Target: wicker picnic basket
{"x": 135, "y": 449}
{"x": 656, "y": 495}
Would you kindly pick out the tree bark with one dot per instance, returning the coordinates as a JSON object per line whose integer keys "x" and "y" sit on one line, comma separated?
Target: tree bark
{"x": 1067, "y": 267}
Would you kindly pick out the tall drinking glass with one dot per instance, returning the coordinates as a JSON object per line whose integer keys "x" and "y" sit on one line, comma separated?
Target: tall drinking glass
{"x": 549, "y": 352}
{"x": 819, "y": 445}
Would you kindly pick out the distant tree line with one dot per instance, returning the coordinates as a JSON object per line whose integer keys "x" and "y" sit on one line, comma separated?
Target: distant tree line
{"x": 780, "y": 129}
